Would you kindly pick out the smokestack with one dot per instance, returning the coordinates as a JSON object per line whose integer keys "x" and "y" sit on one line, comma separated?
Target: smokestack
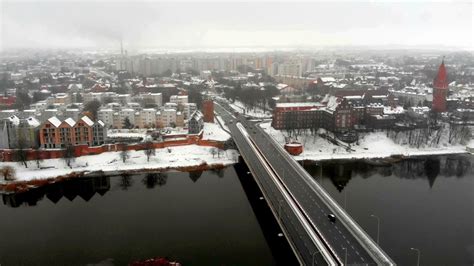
{"x": 121, "y": 47}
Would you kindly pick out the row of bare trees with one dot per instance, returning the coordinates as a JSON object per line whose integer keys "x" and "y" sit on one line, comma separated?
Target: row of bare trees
{"x": 431, "y": 136}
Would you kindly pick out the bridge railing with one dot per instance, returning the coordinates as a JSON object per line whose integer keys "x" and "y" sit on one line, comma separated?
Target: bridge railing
{"x": 356, "y": 230}
{"x": 285, "y": 210}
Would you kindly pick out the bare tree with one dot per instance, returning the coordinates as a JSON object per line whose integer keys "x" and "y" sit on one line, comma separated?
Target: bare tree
{"x": 213, "y": 152}
{"x": 37, "y": 157}
{"x": 21, "y": 153}
{"x": 8, "y": 173}
{"x": 149, "y": 150}
{"x": 68, "y": 154}
{"x": 124, "y": 152}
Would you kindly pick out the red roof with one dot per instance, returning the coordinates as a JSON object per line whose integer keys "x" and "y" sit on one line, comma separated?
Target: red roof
{"x": 7, "y": 100}
{"x": 441, "y": 80}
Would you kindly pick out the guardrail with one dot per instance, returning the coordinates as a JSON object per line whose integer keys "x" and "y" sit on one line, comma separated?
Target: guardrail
{"x": 302, "y": 217}
{"x": 359, "y": 234}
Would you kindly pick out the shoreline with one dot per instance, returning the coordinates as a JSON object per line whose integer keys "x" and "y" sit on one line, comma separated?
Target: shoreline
{"x": 179, "y": 158}
{"x": 367, "y": 157}
{"x": 25, "y": 185}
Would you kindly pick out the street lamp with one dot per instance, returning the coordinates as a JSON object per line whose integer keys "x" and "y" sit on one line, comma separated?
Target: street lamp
{"x": 312, "y": 259}
{"x": 378, "y": 226}
{"x": 345, "y": 256}
{"x": 419, "y": 254}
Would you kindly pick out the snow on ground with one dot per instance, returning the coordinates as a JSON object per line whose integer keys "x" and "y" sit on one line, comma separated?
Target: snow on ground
{"x": 221, "y": 122}
{"x": 213, "y": 131}
{"x": 172, "y": 157}
{"x": 126, "y": 133}
{"x": 372, "y": 145}
{"x": 254, "y": 112}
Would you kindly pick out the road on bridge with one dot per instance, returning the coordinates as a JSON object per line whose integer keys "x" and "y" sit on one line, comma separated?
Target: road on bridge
{"x": 337, "y": 237}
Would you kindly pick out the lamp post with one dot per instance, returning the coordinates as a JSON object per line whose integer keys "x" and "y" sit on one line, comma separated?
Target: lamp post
{"x": 312, "y": 259}
{"x": 345, "y": 256}
{"x": 418, "y": 252}
{"x": 378, "y": 226}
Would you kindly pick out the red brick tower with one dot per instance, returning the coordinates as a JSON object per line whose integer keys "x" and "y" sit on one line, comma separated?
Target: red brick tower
{"x": 440, "y": 90}
{"x": 208, "y": 111}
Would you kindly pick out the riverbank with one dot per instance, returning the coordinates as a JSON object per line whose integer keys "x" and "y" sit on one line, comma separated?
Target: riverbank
{"x": 371, "y": 146}
{"x": 181, "y": 158}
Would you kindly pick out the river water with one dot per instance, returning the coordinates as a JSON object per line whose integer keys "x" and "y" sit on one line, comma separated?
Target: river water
{"x": 423, "y": 203}
{"x": 216, "y": 217}
{"x": 199, "y": 218}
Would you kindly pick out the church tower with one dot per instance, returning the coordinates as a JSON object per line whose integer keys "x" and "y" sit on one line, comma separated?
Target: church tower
{"x": 440, "y": 89}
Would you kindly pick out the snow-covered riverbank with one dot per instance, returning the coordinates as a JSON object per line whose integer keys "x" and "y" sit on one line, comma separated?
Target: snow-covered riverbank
{"x": 166, "y": 158}
{"x": 371, "y": 146}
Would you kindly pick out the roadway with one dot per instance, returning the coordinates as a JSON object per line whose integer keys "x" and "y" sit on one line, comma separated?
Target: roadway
{"x": 336, "y": 236}
{"x": 300, "y": 240}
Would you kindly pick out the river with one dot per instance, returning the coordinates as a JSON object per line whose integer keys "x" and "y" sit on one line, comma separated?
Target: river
{"x": 217, "y": 217}
{"x": 426, "y": 203}
{"x": 198, "y": 218}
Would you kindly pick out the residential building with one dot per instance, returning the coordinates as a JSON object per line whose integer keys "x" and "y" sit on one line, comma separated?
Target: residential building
{"x": 168, "y": 117}
{"x": 14, "y": 129}
{"x": 106, "y": 115}
{"x": 196, "y": 122}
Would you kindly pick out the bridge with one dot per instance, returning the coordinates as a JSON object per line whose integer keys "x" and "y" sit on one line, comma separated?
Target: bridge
{"x": 300, "y": 205}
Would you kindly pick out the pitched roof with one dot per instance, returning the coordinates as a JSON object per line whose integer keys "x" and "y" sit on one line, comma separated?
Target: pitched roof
{"x": 55, "y": 121}
{"x": 87, "y": 120}
{"x": 441, "y": 80}
{"x": 70, "y": 122}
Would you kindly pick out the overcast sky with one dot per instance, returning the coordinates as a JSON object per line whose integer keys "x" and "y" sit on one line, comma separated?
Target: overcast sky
{"x": 101, "y": 24}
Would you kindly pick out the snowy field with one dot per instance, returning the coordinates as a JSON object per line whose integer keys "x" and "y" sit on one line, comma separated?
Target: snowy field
{"x": 371, "y": 146}
{"x": 213, "y": 131}
{"x": 173, "y": 157}
{"x": 254, "y": 112}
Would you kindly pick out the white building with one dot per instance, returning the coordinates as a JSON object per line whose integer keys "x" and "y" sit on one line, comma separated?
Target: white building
{"x": 147, "y": 118}
{"x": 127, "y": 113}
{"x": 151, "y": 98}
{"x": 168, "y": 117}
{"x": 179, "y": 99}
{"x": 72, "y": 112}
{"x": 106, "y": 116}
{"x": 205, "y": 74}
{"x": 189, "y": 109}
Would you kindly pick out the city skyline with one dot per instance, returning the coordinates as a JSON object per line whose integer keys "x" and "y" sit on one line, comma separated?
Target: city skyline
{"x": 264, "y": 25}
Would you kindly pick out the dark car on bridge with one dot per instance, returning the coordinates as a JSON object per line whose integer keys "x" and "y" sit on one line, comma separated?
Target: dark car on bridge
{"x": 332, "y": 218}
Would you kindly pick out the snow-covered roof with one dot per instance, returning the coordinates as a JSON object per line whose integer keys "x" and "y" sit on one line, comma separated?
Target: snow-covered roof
{"x": 87, "y": 120}
{"x": 55, "y": 121}
{"x": 33, "y": 122}
{"x": 304, "y": 104}
{"x": 70, "y": 122}
{"x": 393, "y": 110}
{"x": 281, "y": 86}
{"x": 327, "y": 79}
{"x": 14, "y": 119}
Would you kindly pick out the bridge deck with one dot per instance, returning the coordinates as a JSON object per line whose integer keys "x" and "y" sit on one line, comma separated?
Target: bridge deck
{"x": 341, "y": 240}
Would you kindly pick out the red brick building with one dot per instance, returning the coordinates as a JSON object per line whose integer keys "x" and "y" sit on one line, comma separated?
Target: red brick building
{"x": 208, "y": 111}
{"x": 7, "y": 100}
{"x": 440, "y": 89}
{"x": 55, "y": 134}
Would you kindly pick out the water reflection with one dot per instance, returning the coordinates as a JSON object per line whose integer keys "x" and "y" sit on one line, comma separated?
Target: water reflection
{"x": 85, "y": 188}
{"x": 152, "y": 179}
{"x": 430, "y": 168}
{"x": 423, "y": 202}
{"x": 195, "y": 175}
{"x": 125, "y": 181}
